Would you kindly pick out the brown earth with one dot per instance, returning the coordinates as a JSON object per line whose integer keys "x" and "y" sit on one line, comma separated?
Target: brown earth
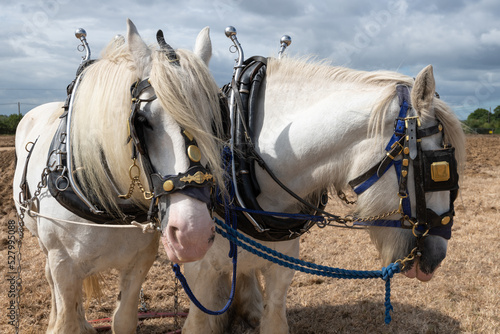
{"x": 463, "y": 298}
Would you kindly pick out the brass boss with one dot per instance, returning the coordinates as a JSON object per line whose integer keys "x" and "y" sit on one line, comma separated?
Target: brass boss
{"x": 168, "y": 185}
{"x": 194, "y": 153}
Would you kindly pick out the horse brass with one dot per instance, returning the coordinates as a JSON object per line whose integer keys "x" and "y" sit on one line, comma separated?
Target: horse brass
{"x": 198, "y": 177}
{"x": 440, "y": 171}
{"x": 194, "y": 153}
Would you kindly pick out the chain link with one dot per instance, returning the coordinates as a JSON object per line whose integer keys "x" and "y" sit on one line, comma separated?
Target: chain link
{"x": 144, "y": 306}
{"x": 134, "y": 180}
{"x": 343, "y": 197}
{"x": 373, "y": 218}
{"x": 18, "y": 280}
{"x": 414, "y": 252}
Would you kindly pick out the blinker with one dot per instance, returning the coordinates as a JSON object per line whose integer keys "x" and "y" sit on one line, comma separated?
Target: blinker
{"x": 440, "y": 171}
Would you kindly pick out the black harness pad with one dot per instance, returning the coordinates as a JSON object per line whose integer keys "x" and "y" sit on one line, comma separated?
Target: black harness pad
{"x": 61, "y": 189}
{"x": 247, "y": 92}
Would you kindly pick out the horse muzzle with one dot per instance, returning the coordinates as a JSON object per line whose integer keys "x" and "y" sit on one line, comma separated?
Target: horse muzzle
{"x": 188, "y": 231}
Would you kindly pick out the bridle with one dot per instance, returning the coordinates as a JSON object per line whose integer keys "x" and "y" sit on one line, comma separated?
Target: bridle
{"x": 196, "y": 181}
{"x": 434, "y": 170}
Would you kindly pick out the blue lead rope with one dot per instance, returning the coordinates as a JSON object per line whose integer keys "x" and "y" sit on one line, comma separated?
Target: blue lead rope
{"x": 236, "y": 239}
{"x": 310, "y": 268}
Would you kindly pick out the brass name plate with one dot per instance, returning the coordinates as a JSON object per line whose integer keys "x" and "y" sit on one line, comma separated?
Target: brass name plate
{"x": 440, "y": 171}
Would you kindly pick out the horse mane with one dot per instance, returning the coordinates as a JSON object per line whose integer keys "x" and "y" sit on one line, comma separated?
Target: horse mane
{"x": 102, "y": 107}
{"x": 304, "y": 68}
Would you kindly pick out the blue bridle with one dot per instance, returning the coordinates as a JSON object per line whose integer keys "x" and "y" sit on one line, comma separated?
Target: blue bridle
{"x": 405, "y": 141}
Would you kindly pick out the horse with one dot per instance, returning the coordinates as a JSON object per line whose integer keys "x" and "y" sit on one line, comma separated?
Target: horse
{"x": 171, "y": 133}
{"x": 318, "y": 127}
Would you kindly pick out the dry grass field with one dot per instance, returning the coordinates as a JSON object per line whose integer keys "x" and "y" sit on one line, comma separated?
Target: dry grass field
{"x": 464, "y": 296}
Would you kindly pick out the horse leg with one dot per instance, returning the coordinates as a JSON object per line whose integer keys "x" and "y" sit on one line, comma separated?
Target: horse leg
{"x": 67, "y": 295}
{"x": 53, "y": 308}
{"x": 277, "y": 280}
{"x": 131, "y": 279}
{"x": 248, "y": 299}
{"x": 212, "y": 288}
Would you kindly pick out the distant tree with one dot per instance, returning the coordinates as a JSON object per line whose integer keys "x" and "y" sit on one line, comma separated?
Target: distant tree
{"x": 8, "y": 124}
{"x": 479, "y": 114}
{"x": 496, "y": 113}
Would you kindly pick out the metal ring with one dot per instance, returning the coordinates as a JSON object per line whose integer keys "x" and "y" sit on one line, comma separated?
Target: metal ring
{"x": 58, "y": 180}
{"x": 26, "y": 146}
{"x": 131, "y": 168}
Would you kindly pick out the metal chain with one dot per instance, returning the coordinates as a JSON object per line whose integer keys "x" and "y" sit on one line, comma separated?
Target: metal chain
{"x": 18, "y": 282}
{"x": 414, "y": 252}
{"x": 144, "y": 306}
{"x": 373, "y": 218}
{"x": 343, "y": 197}
{"x": 134, "y": 180}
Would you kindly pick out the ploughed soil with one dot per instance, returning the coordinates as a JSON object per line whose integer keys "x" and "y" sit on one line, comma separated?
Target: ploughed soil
{"x": 462, "y": 297}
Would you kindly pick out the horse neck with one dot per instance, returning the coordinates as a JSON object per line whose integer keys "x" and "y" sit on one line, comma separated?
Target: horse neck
{"x": 314, "y": 136}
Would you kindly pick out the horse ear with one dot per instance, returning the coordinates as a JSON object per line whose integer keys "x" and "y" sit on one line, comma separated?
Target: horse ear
{"x": 140, "y": 52}
{"x": 203, "y": 45}
{"x": 423, "y": 90}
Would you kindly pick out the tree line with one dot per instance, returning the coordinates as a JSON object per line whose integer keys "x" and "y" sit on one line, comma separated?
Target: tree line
{"x": 481, "y": 120}
{"x": 484, "y": 121}
{"x": 8, "y": 124}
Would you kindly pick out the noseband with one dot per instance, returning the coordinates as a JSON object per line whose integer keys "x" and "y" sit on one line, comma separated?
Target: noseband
{"x": 434, "y": 170}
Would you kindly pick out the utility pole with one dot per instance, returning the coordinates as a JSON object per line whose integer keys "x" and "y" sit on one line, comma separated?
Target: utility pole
{"x": 19, "y": 108}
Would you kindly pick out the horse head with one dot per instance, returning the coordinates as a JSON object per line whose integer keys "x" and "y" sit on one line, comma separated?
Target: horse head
{"x": 424, "y": 251}
{"x": 179, "y": 102}
{"x": 170, "y": 131}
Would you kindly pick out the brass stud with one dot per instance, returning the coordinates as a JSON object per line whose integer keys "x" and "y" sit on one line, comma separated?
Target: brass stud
{"x": 445, "y": 220}
{"x": 194, "y": 153}
{"x": 440, "y": 127}
{"x": 168, "y": 185}
{"x": 407, "y": 150}
{"x": 404, "y": 173}
{"x": 405, "y": 162}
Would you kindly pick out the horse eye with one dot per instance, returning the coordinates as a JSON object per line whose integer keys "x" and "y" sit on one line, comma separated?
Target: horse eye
{"x": 144, "y": 121}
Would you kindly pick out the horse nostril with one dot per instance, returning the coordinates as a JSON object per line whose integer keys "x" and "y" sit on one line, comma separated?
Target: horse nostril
{"x": 173, "y": 234}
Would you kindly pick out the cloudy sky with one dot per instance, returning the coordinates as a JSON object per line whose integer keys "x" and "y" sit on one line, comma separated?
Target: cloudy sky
{"x": 460, "y": 38}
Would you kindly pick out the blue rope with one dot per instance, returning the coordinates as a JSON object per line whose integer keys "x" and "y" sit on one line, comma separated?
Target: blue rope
{"x": 230, "y": 216}
{"x": 310, "y": 268}
{"x": 237, "y": 239}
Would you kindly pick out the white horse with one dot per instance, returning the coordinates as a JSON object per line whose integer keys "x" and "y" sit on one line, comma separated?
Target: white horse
{"x": 319, "y": 127}
{"x": 181, "y": 95}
